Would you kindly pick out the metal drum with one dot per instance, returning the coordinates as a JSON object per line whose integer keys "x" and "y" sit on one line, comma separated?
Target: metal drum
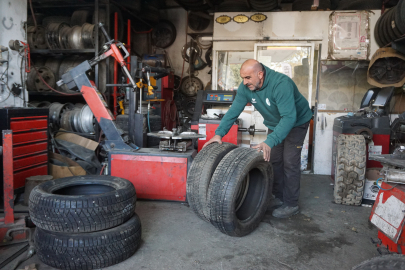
{"x": 36, "y": 37}
{"x": 75, "y": 38}
{"x": 52, "y": 35}
{"x": 34, "y": 83}
{"x": 88, "y": 34}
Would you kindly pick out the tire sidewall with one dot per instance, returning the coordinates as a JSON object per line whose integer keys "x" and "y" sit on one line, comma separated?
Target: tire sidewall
{"x": 242, "y": 228}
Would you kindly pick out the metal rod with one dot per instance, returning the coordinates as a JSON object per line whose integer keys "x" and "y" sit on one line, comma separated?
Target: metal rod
{"x": 107, "y": 25}
{"x": 96, "y": 45}
{"x": 8, "y": 177}
{"x": 115, "y": 65}
{"x": 119, "y": 85}
{"x": 129, "y": 46}
{"x": 316, "y": 105}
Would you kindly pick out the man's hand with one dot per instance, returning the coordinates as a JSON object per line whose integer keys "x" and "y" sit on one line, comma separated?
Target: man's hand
{"x": 216, "y": 138}
{"x": 265, "y": 149}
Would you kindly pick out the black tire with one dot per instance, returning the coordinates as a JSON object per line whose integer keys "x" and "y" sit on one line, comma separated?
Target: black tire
{"x": 303, "y": 5}
{"x": 383, "y": 30}
{"x": 89, "y": 250}
{"x": 82, "y": 203}
{"x": 377, "y": 35}
{"x": 387, "y": 25}
{"x": 196, "y": 22}
{"x": 359, "y": 4}
{"x": 199, "y": 176}
{"x": 393, "y": 25}
{"x": 164, "y": 34}
{"x": 400, "y": 16}
{"x": 188, "y": 106}
{"x": 386, "y": 262}
{"x": 240, "y": 191}
{"x": 350, "y": 169}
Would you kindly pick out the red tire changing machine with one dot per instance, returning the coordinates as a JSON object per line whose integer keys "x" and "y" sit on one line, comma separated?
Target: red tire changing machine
{"x": 388, "y": 213}
{"x": 156, "y": 174}
{"x": 207, "y": 126}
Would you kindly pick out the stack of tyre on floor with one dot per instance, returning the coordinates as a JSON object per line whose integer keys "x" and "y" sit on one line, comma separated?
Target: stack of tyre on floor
{"x": 230, "y": 187}
{"x": 86, "y": 222}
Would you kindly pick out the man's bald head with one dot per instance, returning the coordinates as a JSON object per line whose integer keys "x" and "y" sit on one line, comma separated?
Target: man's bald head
{"x": 252, "y": 73}
{"x": 252, "y": 64}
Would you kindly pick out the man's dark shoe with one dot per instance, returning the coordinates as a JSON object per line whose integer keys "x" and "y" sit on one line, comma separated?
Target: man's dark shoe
{"x": 274, "y": 204}
{"x": 285, "y": 211}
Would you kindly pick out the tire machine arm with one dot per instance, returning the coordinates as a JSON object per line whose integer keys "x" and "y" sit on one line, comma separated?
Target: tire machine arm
{"x": 77, "y": 79}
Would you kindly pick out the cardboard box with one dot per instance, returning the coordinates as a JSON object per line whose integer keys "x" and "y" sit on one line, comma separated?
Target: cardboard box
{"x": 79, "y": 140}
{"x": 64, "y": 171}
{"x": 370, "y": 187}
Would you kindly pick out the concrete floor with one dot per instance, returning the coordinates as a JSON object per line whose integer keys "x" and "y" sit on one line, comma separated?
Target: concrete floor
{"x": 323, "y": 236}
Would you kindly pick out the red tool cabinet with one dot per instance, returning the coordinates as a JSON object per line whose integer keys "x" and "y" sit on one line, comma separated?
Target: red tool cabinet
{"x": 30, "y": 142}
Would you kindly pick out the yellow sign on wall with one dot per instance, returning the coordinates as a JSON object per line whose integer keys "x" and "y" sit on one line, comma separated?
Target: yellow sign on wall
{"x": 258, "y": 17}
{"x": 223, "y": 19}
{"x": 241, "y": 18}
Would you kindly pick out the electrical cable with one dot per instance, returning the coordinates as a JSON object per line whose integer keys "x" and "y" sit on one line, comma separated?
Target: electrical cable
{"x": 33, "y": 15}
{"x": 102, "y": 169}
{"x": 149, "y": 122}
{"x": 184, "y": 60}
{"x": 1, "y": 77}
{"x": 381, "y": 187}
{"x": 170, "y": 113}
{"x": 65, "y": 94}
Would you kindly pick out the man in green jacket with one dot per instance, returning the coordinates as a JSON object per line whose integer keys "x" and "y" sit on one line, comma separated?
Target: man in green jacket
{"x": 287, "y": 114}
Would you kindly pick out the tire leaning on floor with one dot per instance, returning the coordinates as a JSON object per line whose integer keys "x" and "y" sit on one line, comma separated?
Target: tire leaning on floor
{"x": 385, "y": 262}
{"x": 240, "y": 191}
{"x": 89, "y": 250}
{"x": 82, "y": 203}
{"x": 199, "y": 176}
{"x": 350, "y": 169}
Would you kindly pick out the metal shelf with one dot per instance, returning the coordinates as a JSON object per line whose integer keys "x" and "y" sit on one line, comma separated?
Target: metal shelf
{"x": 62, "y": 51}
{"x": 50, "y": 93}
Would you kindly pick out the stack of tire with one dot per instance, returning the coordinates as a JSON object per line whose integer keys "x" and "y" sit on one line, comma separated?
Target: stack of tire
{"x": 230, "y": 187}
{"x": 350, "y": 169}
{"x": 86, "y": 222}
{"x": 262, "y": 6}
{"x": 305, "y": 5}
{"x": 391, "y": 25}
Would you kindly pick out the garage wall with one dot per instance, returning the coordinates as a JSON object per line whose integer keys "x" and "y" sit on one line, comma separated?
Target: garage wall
{"x": 292, "y": 25}
{"x": 12, "y": 15}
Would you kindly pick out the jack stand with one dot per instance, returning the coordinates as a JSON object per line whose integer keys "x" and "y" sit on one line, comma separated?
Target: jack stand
{"x": 12, "y": 229}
